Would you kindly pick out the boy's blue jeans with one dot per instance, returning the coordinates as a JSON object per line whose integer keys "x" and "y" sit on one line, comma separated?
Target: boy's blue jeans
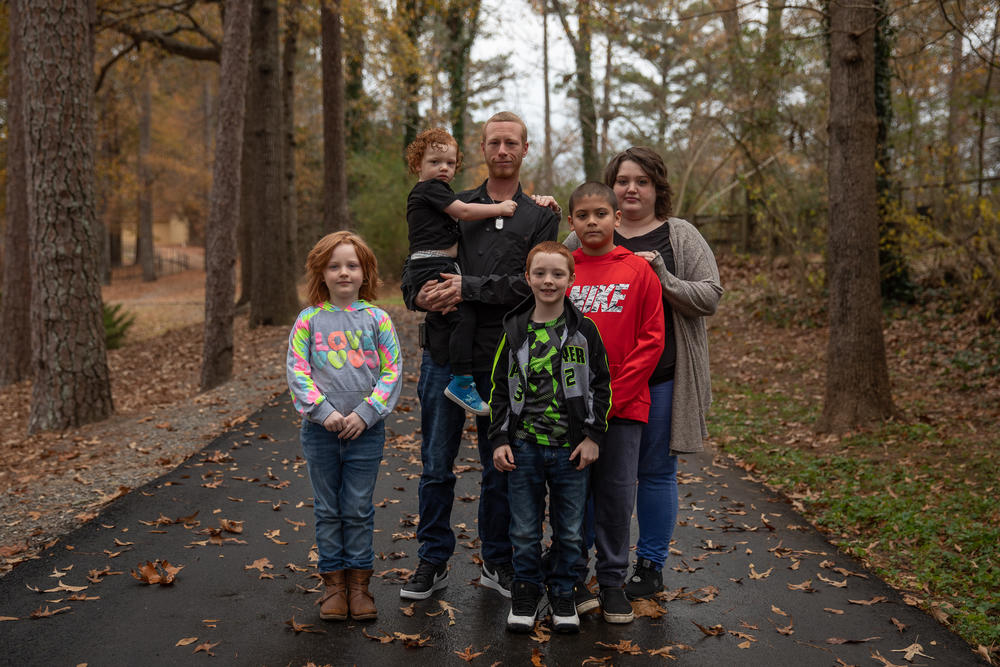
{"x": 656, "y": 498}
{"x": 343, "y": 474}
{"x": 537, "y": 467}
{"x": 441, "y": 423}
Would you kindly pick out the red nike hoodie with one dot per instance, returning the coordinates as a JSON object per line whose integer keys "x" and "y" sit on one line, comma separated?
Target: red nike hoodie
{"x": 622, "y": 295}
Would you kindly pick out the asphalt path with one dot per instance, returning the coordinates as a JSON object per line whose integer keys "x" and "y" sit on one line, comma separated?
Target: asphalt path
{"x": 748, "y": 581}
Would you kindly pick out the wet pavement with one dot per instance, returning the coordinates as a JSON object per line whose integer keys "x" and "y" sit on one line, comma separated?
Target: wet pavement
{"x": 748, "y": 581}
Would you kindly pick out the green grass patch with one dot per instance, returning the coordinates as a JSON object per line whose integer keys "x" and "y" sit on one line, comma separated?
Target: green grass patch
{"x": 919, "y": 508}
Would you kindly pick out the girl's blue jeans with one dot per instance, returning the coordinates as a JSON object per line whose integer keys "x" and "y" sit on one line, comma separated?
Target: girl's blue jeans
{"x": 343, "y": 474}
{"x": 656, "y": 496}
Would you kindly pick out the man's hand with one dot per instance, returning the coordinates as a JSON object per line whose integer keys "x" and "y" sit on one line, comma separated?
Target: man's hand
{"x": 588, "y": 452}
{"x": 440, "y": 296}
{"x": 354, "y": 426}
{"x": 503, "y": 458}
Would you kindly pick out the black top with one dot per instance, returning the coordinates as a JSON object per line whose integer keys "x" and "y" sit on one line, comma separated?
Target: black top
{"x": 492, "y": 262}
{"x": 659, "y": 239}
{"x": 430, "y": 228}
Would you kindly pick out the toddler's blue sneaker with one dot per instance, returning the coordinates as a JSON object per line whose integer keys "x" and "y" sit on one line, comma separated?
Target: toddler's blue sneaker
{"x": 462, "y": 390}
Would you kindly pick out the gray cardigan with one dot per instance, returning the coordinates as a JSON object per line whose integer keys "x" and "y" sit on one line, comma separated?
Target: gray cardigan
{"x": 694, "y": 294}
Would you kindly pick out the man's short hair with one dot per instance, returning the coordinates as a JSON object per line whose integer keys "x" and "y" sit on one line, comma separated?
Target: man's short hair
{"x": 506, "y": 117}
{"x": 551, "y": 248}
{"x": 596, "y": 189}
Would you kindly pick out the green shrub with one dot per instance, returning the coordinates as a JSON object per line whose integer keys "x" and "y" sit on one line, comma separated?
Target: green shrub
{"x": 117, "y": 322}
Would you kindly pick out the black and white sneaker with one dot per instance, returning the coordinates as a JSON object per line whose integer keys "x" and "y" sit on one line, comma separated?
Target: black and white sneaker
{"x": 584, "y": 599}
{"x": 427, "y": 578}
{"x": 564, "y": 616}
{"x": 526, "y": 605}
{"x": 615, "y": 606}
{"x": 646, "y": 580}
{"x": 498, "y": 577}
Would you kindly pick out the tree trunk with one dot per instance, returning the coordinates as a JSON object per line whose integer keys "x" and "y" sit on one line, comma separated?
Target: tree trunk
{"x": 335, "y": 212}
{"x": 357, "y": 104}
{"x": 71, "y": 382}
{"x": 410, "y": 16}
{"x": 583, "y": 85}
{"x": 857, "y": 377}
{"x": 461, "y": 18}
{"x": 954, "y": 109}
{"x": 272, "y": 298}
{"x": 548, "y": 183}
{"x": 224, "y": 208}
{"x": 247, "y": 180}
{"x": 144, "y": 239}
{"x": 288, "y": 57}
{"x": 15, "y": 311}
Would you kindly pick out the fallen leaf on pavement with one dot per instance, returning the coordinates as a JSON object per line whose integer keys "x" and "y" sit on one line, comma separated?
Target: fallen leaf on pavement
{"x": 412, "y": 641}
{"x": 831, "y": 610}
{"x": 206, "y": 647}
{"x": 714, "y": 631}
{"x": 898, "y": 623}
{"x": 805, "y": 586}
{"x": 186, "y": 641}
{"x": 777, "y": 610}
{"x": 408, "y": 609}
{"x": 302, "y": 627}
{"x": 868, "y": 603}
{"x": 259, "y": 564}
{"x": 840, "y": 640}
{"x": 445, "y": 608}
{"x": 647, "y": 608}
{"x": 912, "y": 651}
{"x": 385, "y": 637}
{"x": 536, "y": 658}
{"x": 832, "y": 582}
{"x": 45, "y": 613}
{"x": 760, "y": 575}
{"x": 150, "y": 572}
{"x": 468, "y": 653}
{"x": 885, "y": 663}
{"x": 625, "y": 646}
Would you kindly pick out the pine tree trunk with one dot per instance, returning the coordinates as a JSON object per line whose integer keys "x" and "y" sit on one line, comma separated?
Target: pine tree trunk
{"x": 336, "y": 215}
{"x": 15, "y": 309}
{"x": 272, "y": 298}
{"x": 224, "y": 209}
{"x": 288, "y": 57}
{"x": 357, "y": 105}
{"x": 144, "y": 240}
{"x": 71, "y": 381}
{"x": 857, "y": 377}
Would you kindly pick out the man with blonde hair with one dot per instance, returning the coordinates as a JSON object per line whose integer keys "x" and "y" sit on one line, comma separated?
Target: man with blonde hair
{"x": 491, "y": 255}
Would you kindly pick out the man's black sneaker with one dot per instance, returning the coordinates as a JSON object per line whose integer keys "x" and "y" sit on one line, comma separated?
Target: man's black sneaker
{"x": 585, "y": 600}
{"x": 427, "y": 578}
{"x": 646, "y": 580}
{"x": 615, "y": 606}
{"x": 499, "y": 577}
{"x": 526, "y": 603}
{"x": 564, "y": 616}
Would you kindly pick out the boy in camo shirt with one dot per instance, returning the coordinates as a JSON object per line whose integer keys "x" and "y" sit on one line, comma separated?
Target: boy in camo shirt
{"x": 549, "y": 406}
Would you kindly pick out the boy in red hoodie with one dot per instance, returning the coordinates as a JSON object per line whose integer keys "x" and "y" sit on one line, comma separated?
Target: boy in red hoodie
{"x": 621, "y": 294}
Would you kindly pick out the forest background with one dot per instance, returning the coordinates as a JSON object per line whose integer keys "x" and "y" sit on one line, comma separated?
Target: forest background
{"x": 741, "y": 99}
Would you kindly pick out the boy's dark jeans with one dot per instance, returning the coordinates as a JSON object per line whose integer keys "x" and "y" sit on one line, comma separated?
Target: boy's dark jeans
{"x": 539, "y": 466}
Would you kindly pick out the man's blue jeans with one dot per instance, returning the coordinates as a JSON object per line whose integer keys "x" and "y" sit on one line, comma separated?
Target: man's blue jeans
{"x": 343, "y": 474}
{"x": 656, "y": 498}
{"x": 538, "y": 466}
{"x": 441, "y": 423}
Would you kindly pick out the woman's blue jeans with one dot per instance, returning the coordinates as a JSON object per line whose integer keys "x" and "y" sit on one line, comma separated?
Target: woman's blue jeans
{"x": 656, "y": 496}
{"x": 343, "y": 474}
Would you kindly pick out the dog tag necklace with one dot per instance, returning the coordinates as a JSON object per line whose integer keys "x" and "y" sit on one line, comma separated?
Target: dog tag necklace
{"x": 498, "y": 222}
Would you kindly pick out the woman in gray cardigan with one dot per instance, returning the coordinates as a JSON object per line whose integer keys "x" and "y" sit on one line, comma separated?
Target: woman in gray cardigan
{"x": 680, "y": 387}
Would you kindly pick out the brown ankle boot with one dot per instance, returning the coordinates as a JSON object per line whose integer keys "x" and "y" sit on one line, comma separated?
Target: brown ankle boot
{"x": 333, "y": 604}
{"x": 360, "y": 601}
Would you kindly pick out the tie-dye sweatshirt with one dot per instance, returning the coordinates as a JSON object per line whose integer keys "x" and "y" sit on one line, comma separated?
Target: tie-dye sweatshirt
{"x": 345, "y": 360}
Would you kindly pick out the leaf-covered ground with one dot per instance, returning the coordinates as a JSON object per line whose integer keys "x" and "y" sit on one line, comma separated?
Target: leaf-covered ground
{"x": 915, "y": 499}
